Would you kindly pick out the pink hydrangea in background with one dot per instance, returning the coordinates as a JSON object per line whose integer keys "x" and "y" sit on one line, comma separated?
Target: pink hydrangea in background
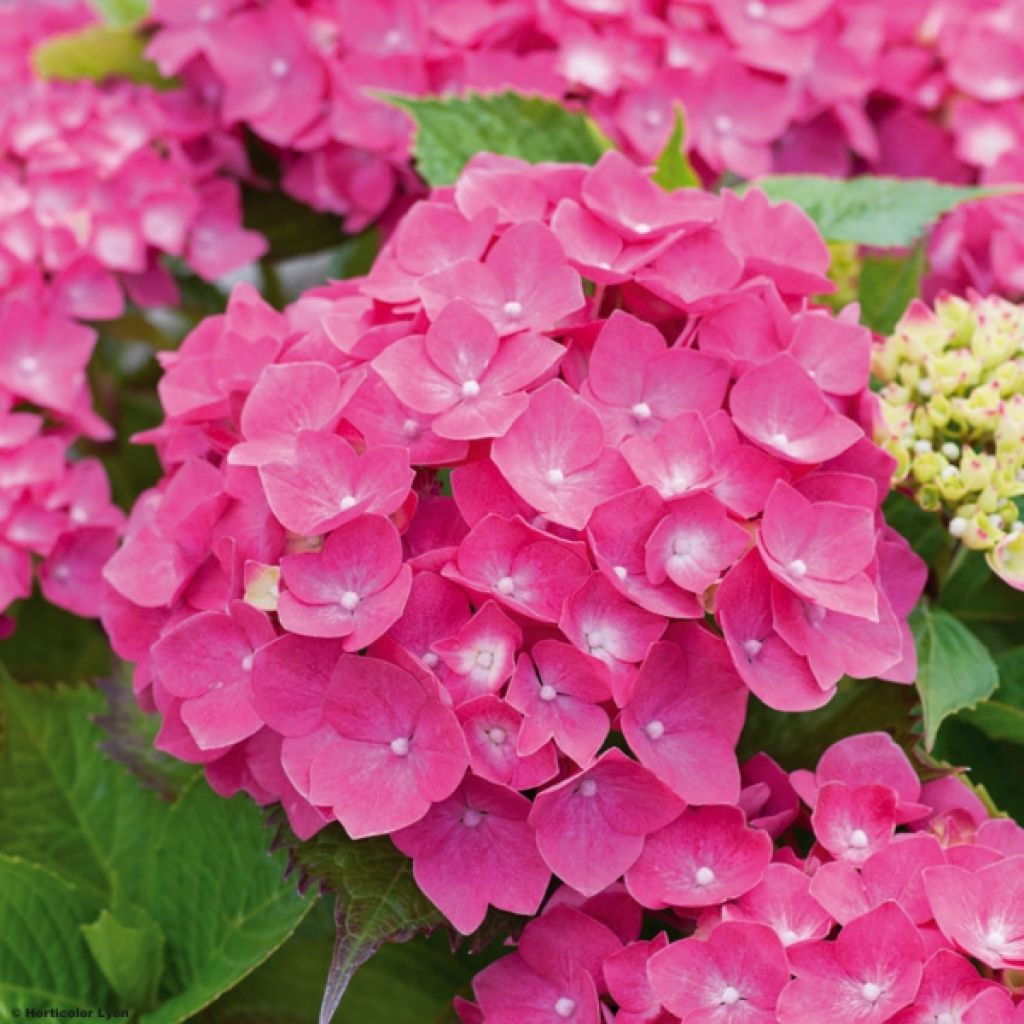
{"x": 931, "y": 88}
{"x": 568, "y": 511}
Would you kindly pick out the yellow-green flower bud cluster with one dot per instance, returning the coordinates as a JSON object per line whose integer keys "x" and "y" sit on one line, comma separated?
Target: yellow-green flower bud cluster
{"x": 952, "y": 414}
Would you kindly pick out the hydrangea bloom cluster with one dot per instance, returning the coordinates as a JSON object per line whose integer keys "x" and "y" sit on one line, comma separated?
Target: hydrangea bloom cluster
{"x": 952, "y": 412}
{"x": 97, "y": 182}
{"x": 930, "y": 88}
{"x": 51, "y": 508}
{"x": 428, "y": 536}
{"x": 908, "y": 907}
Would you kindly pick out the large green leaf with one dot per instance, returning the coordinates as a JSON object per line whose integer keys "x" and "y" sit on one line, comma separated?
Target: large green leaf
{"x": 97, "y": 52}
{"x": 998, "y": 766}
{"x": 955, "y": 670}
{"x": 997, "y": 720}
{"x": 450, "y": 130}
{"x": 882, "y": 212}
{"x": 212, "y": 897}
{"x": 44, "y": 959}
{"x": 219, "y": 897}
{"x": 887, "y": 285}
{"x": 376, "y": 899}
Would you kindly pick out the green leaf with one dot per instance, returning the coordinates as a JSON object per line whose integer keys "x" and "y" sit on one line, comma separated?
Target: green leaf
{"x": 218, "y": 896}
{"x": 997, "y": 766}
{"x": 121, "y": 12}
{"x": 997, "y": 720}
{"x": 887, "y": 285}
{"x": 955, "y": 670}
{"x": 922, "y": 529}
{"x": 450, "y": 130}
{"x": 883, "y": 212}
{"x": 44, "y": 960}
{"x": 798, "y": 740}
{"x": 673, "y": 169}
{"x": 97, "y": 53}
{"x": 128, "y": 946}
{"x": 376, "y": 898}
{"x": 198, "y": 866}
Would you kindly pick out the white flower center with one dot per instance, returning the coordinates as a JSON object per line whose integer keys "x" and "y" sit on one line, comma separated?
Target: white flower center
{"x": 79, "y": 515}
{"x": 642, "y": 228}
{"x": 400, "y": 746}
{"x": 347, "y": 502}
{"x": 752, "y": 648}
{"x": 655, "y": 729}
{"x": 945, "y": 1018}
{"x": 779, "y": 439}
{"x": 620, "y": 571}
{"x": 349, "y": 600}
{"x": 410, "y": 428}
{"x": 871, "y": 991}
{"x": 798, "y": 567}
{"x": 788, "y": 936}
{"x": 506, "y": 585}
{"x": 555, "y": 477}
{"x": 642, "y": 411}
{"x": 470, "y": 389}
{"x": 564, "y": 1006}
{"x": 723, "y": 124}
{"x": 756, "y": 10}
{"x": 206, "y": 13}
{"x": 430, "y": 659}
{"x": 472, "y": 818}
{"x": 485, "y": 659}
{"x": 859, "y": 839}
{"x": 279, "y": 67}
{"x": 247, "y": 663}
{"x": 730, "y": 996}
{"x": 548, "y": 692}
{"x": 62, "y": 574}
{"x": 28, "y": 364}
{"x": 513, "y": 309}
{"x": 588, "y": 787}
{"x": 996, "y": 938}
{"x": 496, "y": 735}
{"x": 705, "y": 876}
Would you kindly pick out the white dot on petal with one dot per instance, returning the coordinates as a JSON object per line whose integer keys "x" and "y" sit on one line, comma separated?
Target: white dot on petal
{"x": 513, "y": 309}
{"x": 995, "y": 938}
{"x": 642, "y": 411}
{"x": 410, "y": 428}
{"x": 752, "y": 648}
{"x": 723, "y": 124}
{"x": 470, "y": 388}
{"x": 279, "y": 67}
{"x": 79, "y": 515}
{"x": 555, "y": 477}
{"x": 620, "y": 571}
{"x": 704, "y": 876}
{"x": 28, "y": 364}
{"x": 945, "y": 1018}
{"x": 347, "y": 502}
{"x": 206, "y": 13}
{"x": 349, "y": 600}
{"x": 655, "y": 729}
{"x": 788, "y": 936}
{"x": 472, "y": 818}
{"x": 496, "y": 735}
{"x": 548, "y": 692}
{"x": 247, "y": 663}
{"x": 859, "y": 839}
{"x": 400, "y": 746}
{"x": 798, "y": 567}
{"x": 730, "y": 996}
{"x": 430, "y": 659}
{"x": 779, "y": 439}
{"x": 588, "y": 787}
{"x": 485, "y": 659}
{"x": 756, "y": 10}
{"x": 506, "y": 585}
{"x": 642, "y": 228}
{"x": 61, "y": 573}
{"x": 871, "y": 991}
{"x": 564, "y": 1007}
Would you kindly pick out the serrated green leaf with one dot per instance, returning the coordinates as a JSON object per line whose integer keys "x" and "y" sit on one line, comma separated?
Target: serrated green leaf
{"x": 97, "y": 53}
{"x": 121, "y": 12}
{"x": 44, "y": 960}
{"x": 673, "y": 169}
{"x": 882, "y": 212}
{"x": 198, "y": 866}
{"x": 954, "y": 670}
{"x": 128, "y": 946}
{"x": 219, "y": 898}
{"x": 797, "y": 741}
{"x": 887, "y": 286}
{"x": 376, "y": 898}
{"x": 451, "y": 130}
